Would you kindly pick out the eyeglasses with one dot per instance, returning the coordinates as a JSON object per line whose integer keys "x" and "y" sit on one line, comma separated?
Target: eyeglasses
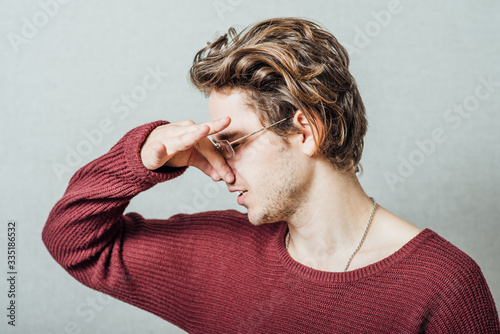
{"x": 226, "y": 147}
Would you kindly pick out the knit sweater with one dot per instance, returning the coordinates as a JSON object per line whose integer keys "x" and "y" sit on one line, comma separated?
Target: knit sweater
{"x": 214, "y": 272}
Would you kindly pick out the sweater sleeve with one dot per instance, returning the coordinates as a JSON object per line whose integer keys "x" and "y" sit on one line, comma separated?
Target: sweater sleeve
{"x": 90, "y": 237}
{"x": 465, "y": 304}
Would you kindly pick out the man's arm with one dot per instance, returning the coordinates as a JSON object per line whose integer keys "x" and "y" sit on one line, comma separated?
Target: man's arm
{"x": 85, "y": 229}
{"x": 464, "y": 305}
{"x": 125, "y": 256}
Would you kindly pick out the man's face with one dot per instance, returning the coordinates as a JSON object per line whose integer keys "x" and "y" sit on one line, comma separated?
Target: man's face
{"x": 270, "y": 171}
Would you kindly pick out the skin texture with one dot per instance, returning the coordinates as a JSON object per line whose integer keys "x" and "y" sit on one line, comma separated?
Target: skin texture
{"x": 326, "y": 210}
{"x": 186, "y": 144}
{"x": 263, "y": 165}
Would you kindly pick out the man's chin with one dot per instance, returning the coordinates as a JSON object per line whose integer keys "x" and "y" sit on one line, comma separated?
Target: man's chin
{"x": 260, "y": 219}
{"x": 255, "y": 219}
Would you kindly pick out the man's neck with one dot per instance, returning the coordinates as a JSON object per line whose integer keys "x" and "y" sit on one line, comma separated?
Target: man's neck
{"x": 329, "y": 225}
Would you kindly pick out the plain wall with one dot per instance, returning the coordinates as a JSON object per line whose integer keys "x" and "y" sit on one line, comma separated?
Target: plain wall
{"x": 423, "y": 72}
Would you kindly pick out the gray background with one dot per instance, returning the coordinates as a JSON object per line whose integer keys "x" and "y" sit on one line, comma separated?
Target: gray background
{"x": 65, "y": 76}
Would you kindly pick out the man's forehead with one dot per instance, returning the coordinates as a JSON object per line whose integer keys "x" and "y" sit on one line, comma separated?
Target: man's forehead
{"x": 243, "y": 119}
{"x": 229, "y": 103}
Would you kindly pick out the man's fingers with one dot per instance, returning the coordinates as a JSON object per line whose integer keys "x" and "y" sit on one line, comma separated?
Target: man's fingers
{"x": 185, "y": 122}
{"x": 215, "y": 159}
{"x": 208, "y": 169}
{"x": 217, "y": 125}
{"x": 203, "y": 165}
{"x": 191, "y": 138}
{"x": 174, "y": 144}
{"x": 215, "y": 176}
{"x": 200, "y": 162}
{"x": 199, "y": 131}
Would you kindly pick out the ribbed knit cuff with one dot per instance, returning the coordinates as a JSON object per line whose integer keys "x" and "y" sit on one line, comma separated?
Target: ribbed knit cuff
{"x": 132, "y": 151}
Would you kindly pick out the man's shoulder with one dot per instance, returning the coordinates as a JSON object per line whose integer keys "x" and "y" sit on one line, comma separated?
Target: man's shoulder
{"x": 429, "y": 251}
{"x": 445, "y": 253}
{"x": 441, "y": 261}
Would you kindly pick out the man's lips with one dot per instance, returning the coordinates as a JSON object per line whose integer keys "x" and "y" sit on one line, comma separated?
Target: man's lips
{"x": 241, "y": 194}
{"x": 240, "y": 190}
{"x": 241, "y": 197}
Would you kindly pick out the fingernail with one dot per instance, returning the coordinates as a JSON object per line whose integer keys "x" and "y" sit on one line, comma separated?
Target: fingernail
{"x": 229, "y": 177}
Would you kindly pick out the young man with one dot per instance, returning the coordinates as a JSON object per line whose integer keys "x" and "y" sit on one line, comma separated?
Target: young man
{"x": 314, "y": 253}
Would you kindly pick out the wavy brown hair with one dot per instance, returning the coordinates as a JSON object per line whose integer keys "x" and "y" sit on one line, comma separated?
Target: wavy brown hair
{"x": 285, "y": 65}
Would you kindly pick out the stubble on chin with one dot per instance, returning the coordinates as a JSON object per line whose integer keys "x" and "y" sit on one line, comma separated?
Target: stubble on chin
{"x": 278, "y": 205}
{"x": 283, "y": 190}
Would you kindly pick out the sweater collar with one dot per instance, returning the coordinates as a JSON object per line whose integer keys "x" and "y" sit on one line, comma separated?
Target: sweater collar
{"x": 320, "y": 276}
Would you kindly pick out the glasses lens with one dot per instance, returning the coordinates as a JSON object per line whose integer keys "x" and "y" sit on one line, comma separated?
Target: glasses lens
{"x": 226, "y": 149}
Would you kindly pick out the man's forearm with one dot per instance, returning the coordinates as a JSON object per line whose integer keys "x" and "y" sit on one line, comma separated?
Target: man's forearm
{"x": 84, "y": 229}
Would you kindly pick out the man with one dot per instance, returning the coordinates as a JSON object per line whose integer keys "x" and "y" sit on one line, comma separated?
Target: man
{"x": 314, "y": 253}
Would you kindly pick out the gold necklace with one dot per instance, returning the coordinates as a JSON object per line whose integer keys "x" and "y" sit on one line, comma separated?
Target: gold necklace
{"x": 368, "y": 224}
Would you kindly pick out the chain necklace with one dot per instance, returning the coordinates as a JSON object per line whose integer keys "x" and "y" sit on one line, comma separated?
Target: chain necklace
{"x": 368, "y": 224}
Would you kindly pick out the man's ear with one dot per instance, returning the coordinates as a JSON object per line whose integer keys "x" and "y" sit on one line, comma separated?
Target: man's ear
{"x": 309, "y": 135}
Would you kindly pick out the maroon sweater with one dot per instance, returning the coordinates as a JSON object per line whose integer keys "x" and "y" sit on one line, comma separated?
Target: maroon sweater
{"x": 213, "y": 272}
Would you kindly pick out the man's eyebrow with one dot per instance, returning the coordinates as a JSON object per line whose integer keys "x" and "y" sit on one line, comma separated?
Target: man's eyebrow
{"x": 228, "y": 135}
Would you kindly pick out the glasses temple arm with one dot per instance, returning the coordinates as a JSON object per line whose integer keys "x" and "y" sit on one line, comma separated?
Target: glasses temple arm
{"x": 267, "y": 127}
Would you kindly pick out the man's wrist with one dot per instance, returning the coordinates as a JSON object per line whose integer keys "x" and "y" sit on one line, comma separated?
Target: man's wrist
{"x": 132, "y": 151}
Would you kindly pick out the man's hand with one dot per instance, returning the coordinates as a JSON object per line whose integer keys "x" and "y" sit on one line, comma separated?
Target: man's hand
{"x": 186, "y": 144}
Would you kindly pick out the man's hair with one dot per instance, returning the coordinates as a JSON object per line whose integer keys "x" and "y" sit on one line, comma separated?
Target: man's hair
{"x": 289, "y": 64}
